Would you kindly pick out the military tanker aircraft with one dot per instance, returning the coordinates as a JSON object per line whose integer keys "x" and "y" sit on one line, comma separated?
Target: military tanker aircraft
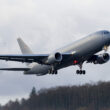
{"x": 76, "y": 53}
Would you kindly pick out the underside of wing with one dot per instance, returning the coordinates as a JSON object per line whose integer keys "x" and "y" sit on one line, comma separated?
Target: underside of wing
{"x": 15, "y": 69}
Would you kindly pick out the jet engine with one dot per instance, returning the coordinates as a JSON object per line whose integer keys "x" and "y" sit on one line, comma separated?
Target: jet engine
{"x": 102, "y": 58}
{"x": 53, "y": 58}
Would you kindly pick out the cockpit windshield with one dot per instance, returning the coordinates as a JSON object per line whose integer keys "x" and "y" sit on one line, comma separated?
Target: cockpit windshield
{"x": 106, "y": 32}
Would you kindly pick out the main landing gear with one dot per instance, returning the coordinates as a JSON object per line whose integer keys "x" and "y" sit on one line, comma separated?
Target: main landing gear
{"x": 53, "y": 71}
{"x": 80, "y": 71}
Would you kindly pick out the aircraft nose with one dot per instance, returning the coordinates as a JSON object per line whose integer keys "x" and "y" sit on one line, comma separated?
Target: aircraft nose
{"x": 106, "y": 35}
{"x": 108, "y": 38}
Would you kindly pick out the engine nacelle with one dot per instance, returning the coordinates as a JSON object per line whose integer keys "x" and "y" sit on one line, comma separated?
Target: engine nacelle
{"x": 102, "y": 58}
{"x": 53, "y": 58}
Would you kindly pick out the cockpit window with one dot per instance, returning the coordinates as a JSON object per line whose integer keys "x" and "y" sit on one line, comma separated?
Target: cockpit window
{"x": 106, "y": 32}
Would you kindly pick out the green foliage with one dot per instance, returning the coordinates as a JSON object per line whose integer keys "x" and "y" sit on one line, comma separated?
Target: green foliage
{"x": 86, "y": 97}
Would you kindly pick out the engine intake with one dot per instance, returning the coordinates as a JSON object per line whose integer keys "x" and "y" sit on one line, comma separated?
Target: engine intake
{"x": 53, "y": 58}
{"x": 102, "y": 58}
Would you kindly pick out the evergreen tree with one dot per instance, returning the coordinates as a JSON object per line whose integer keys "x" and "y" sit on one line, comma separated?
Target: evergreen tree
{"x": 33, "y": 92}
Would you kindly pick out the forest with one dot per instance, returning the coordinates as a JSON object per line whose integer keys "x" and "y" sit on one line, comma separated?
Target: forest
{"x": 85, "y": 97}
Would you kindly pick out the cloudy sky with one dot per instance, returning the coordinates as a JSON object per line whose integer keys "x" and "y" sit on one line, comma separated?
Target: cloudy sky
{"x": 47, "y": 25}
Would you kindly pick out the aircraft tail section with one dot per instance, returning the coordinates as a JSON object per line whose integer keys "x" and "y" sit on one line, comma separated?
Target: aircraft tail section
{"x": 24, "y": 48}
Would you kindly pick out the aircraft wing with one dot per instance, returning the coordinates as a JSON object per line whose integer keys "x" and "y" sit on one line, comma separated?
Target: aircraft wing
{"x": 28, "y": 58}
{"x": 24, "y": 58}
{"x": 15, "y": 69}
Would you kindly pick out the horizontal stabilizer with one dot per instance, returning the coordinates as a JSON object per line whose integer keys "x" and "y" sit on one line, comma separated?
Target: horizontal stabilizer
{"x": 15, "y": 69}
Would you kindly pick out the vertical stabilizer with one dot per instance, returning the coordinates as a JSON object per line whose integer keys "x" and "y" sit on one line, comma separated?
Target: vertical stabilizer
{"x": 24, "y": 48}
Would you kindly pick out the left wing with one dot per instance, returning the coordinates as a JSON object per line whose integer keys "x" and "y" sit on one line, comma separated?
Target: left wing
{"x": 28, "y": 58}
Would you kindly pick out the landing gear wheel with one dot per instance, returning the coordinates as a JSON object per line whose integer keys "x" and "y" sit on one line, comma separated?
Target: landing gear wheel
{"x": 49, "y": 72}
{"x": 84, "y": 72}
{"x": 78, "y": 71}
{"x": 53, "y": 72}
{"x": 56, "y": 72}
{"x": 81, "y": 72}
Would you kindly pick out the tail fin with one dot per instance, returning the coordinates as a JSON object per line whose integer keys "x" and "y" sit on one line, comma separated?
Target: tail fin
{"x": 24, "y": 48}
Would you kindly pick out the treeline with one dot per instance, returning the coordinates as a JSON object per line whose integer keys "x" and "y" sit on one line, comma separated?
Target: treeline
{"x": 86, "y": 97}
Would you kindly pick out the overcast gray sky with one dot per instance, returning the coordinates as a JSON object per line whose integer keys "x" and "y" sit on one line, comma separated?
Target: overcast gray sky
{"x": 46, "y": 25}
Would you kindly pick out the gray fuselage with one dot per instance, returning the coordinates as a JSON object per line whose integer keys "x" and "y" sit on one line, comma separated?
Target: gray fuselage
{"x": 81, "y": 49}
